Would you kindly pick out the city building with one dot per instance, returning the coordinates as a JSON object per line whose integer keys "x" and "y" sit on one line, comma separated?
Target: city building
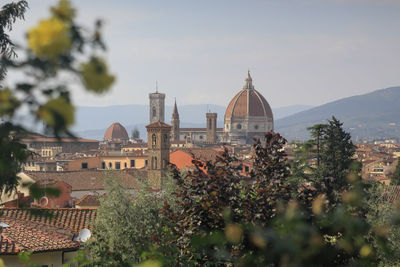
{"x": 247, "y": 116}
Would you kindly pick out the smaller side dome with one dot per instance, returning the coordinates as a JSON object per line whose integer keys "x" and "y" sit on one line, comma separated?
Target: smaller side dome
{"x": 116, "y": 132}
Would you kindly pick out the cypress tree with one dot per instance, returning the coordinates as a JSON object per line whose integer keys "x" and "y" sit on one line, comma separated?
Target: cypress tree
{"x": 336, "y": 153}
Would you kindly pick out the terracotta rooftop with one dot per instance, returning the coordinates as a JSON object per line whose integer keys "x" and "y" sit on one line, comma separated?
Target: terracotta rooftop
{"x": 55, "y": 140}
{"x": 89, "y": 200}
{"x": 158, "y": 124}
{"x": 116, "y": 131}
{"x": 92, "y": 179}
{"x": 31, "y": 230}
{"x": 203, "y": 153}
{"x": 136, "y": 145}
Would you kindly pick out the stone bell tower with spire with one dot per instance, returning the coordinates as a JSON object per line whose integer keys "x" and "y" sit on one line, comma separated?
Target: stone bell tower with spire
{"x": 175, "y": 122}
{"x": 157, "y": 106}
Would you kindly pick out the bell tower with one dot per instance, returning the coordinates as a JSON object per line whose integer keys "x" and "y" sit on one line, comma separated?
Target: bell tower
{"x": 158, "y": 145}
{"x": 175, "y": 124}
{"x": 211, "y": 128}
{"x": 157, "y": 106}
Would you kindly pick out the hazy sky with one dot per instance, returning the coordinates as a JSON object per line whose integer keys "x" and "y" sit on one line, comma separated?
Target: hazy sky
{"x": 299, "y": 51}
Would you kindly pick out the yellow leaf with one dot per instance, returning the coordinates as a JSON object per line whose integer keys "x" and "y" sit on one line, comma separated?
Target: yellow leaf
{"x": 8, "y": 102}
{"x": 64, "y": 10}
{"x": 55, "y": 109}
{"x": 95, "y": 75}
{"x": 365, "y": 251}
{"x": 233, "y": 233}
{"x": 50, "y": 38}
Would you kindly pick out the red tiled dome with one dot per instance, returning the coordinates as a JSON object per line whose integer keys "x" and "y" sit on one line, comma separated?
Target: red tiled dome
{"x": 248, "y": 103}
{"x": 116, "y": 131}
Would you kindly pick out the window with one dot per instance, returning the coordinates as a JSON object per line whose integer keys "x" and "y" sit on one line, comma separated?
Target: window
{"x": 110, "y": 165}
{"x": 84, "y": 165}
{"x": 165, "y": 140}
{"x": 103, "y": 165}
{"x": 132, "y": 163}
{"x": 246, "y": 168}
{"x": 239, "y": 126}
{"x": 209, "y": 124}
{"x": 256, "y": 127}
{"x": 154, "y": 140}
{"x": 154, "y": 163}
{"x": 154, "y": 112}
{"x": 201, "y": 137}
{"x": 125, "y": 164}
{"x": 146, "y": 162}
{"x": 118, "y": 165}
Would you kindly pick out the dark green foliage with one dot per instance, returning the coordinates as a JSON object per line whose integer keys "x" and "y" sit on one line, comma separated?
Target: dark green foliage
{"x": 8, "y": 15}
{"x": 12, "y": 155}
{"x": 135, "y": 133}
{"x": 222, "y": 220}
{"x": 317, "y": 133}
{"x": 336, "y": 153}
{"x": 211, "y": 200}
{"x": 396, "y": 175}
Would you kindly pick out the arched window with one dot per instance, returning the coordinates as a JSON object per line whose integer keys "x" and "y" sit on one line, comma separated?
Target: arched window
{"x": 154, "y": 140}
{"x": 154, "y": 111}
{"x": 209, "y": 124}
{"x": 165, "y": 140}
{"x": 155, "y": 163}
{"x": 239, "y": 126}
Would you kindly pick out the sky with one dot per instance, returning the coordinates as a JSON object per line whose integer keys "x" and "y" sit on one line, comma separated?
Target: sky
{"x": 306, "y": 52}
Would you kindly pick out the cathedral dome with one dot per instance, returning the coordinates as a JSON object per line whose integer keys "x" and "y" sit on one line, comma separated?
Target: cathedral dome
{"x": 116, "y": 131}
{"x": 248, "y": 103}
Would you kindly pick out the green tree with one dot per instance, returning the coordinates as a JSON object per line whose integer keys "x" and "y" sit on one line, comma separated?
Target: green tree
{"x": 130, "y": 228}
{"x": 8, "y": 15}
{"x": 317, "y": 132}
{"x": 396, "y": 175}
{"x": 222, "y": 220}
{"x": 383, "y": 215}
{"x": 12, "y": 153}
{"x": 135, "y": 133}
{"x": 57, "y": 54}
{"x": 336, "y": 154}
{"x": 215, "y": 198}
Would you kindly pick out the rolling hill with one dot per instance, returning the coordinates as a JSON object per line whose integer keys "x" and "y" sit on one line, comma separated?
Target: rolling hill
{"x": 369, "y": 116}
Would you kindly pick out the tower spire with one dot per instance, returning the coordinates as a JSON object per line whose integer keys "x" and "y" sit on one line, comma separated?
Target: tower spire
{"x": 156, "y": 86}
{"x": 175, "y": 113}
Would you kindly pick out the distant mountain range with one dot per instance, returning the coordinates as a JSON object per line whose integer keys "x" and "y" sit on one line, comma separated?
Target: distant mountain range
{"x": 92, "y": 122}
{"x": 369, "y": 116}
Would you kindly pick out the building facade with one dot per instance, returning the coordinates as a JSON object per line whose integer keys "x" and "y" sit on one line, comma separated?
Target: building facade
{"x": 158, "y": 140}
{"x": 247, "y": 116}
